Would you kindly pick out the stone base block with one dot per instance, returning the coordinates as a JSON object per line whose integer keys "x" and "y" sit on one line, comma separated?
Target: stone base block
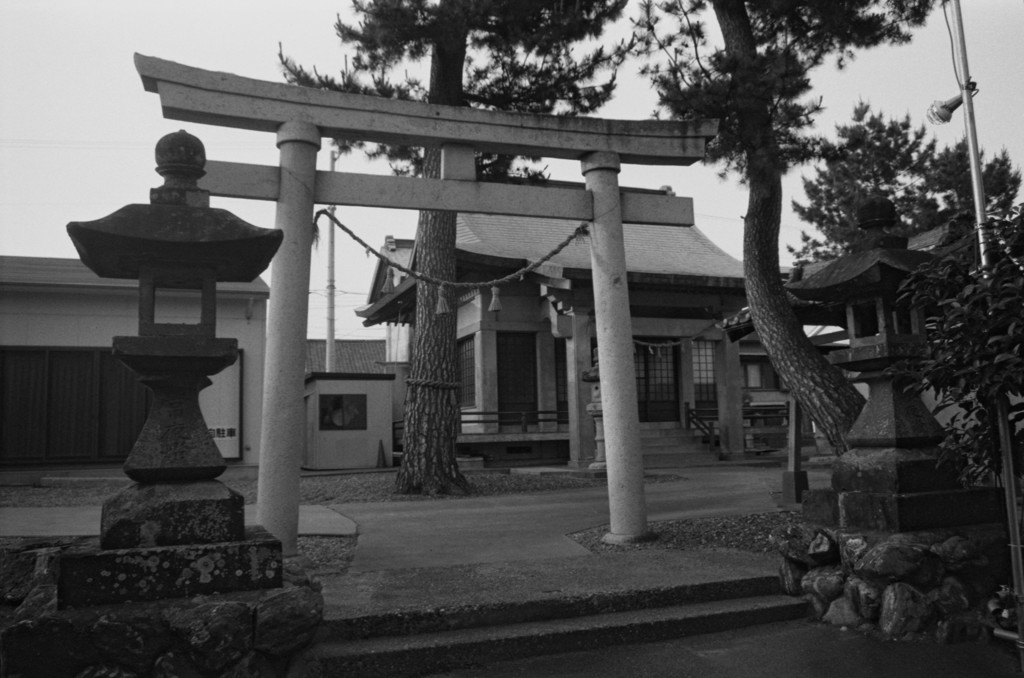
{"x": 820, "y": 507}
{"x": 794, "y": 484}
{"x": 891, "y": 470}
{"x": 168, "y": 514}
{"x": 91, "y": 576}
{"x": 920, "y": 510}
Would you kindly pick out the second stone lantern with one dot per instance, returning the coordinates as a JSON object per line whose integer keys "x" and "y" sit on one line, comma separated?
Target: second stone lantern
{"x": 889, "y": 479}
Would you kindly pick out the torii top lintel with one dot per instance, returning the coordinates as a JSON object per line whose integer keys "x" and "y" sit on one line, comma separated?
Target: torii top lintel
{"x": 216, "y": 98}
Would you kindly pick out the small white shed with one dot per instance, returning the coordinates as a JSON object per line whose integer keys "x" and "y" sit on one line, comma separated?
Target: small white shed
{"x": 348, "y": 420}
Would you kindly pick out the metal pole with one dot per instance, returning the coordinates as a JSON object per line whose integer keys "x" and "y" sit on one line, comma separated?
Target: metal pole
{"x": 987, "y": 251}
{"x": 331, "y": 356}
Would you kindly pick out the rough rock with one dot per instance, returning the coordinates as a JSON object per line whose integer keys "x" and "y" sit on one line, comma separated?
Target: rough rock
{"x": 134, "y": 641}
{"x": 823, "y": 550}
{"x": 792, "y": 542}
{"x": 824, "y": 582}
{"x": 891, "y": 561}
{"x": 175, "y": 664}
{"x": 928, "y": 574}
{"x": 866, "y": 597}
{"x": 791, "y": 573}
{"x": 904, "y": 610}
{"x": 217, "y": 634}
{"x": 252, "y": 665}
{"x": 955, "y": 551}
{"x": 852, "y": 548}
{"x": 22, "y": 571}
{"x": 297, "y": 571}
{"x": 842, "y": 613}
{"x": 287, "y": 619}
{"x": 107, "y": 671}
{"x": 817, "y": 606}
{"x": 48, "y": 647}
{"x": 950, "y": 597}
{"x": 40, "y": 601}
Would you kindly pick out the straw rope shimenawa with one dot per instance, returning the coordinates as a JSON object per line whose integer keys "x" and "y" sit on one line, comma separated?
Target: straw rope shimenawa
{"x": 442, "y": 303}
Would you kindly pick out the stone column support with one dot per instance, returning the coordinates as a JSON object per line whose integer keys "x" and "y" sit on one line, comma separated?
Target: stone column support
{"x": 546, "y": 388}
{"x": 794, "y": 478}
{"x": 283, "y": 431}
{"x": 577, "y": 359}
{"x": 730, "y": 399}
{"x": 628, "y": 510}
{"x": 486, "y": 357}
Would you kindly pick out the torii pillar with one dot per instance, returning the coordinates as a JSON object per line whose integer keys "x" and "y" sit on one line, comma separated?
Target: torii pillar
{"x": 301, "y": 117}
{"x": 624, "y": 460}
{"x": 283, "y": 424}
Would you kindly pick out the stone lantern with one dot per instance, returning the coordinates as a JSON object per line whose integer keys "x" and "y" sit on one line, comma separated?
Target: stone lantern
{"x": 889, "y": 479}
{"x": 896, "y": 543}
{"x": 177, "y": 242}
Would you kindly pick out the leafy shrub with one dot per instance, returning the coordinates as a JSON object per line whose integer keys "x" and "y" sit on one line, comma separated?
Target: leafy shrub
{"x": 975, "y": 324}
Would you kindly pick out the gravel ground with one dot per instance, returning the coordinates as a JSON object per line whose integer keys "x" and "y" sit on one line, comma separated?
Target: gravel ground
{"x": 745, "y": 533}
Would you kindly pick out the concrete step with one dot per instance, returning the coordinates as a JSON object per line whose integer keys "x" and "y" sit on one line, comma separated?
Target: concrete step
{"x": 424, "y": 653}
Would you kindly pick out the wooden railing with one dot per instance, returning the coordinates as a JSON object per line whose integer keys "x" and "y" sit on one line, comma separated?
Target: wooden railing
{"x": 521, "y": 420}
{"x": 705, "y": 419}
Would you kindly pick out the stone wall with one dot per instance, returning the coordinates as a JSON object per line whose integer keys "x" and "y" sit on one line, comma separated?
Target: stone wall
{"x": 932, "y": 583}
{"x": 251, "y": 634}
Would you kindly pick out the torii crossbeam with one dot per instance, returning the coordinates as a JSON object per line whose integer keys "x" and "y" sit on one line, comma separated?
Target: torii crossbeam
{"x": 301, "y": 117}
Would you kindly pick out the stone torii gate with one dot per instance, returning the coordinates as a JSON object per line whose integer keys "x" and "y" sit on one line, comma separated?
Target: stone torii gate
{"x": 301, "y": 117}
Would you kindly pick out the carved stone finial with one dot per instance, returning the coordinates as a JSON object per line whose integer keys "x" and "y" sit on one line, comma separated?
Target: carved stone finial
{"x": 876, "y": 212}
{"x": 180, "y": 160}
{"x": 874, "y": 216}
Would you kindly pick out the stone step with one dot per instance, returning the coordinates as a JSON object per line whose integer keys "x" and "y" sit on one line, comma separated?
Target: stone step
{"x": 456, "y": 616}
{"x": 675, "y": 432}
{"x": 417, "y": 655}
{"x": 677, "y": 457}
{"x": 677, "y": 442}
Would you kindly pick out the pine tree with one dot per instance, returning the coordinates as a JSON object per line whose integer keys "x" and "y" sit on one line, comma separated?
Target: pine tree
{"x": 890, "y": 157}
{"x": 755, "y": 84}
{"x": 513, "y": 55}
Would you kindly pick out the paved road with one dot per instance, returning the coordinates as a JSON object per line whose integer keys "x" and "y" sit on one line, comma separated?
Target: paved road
{"x": 798, "y": 649}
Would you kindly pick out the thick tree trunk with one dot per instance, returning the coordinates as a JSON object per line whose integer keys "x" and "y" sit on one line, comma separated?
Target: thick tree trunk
{"x": 431, "y": 414}
{"x": 820, "y": 388}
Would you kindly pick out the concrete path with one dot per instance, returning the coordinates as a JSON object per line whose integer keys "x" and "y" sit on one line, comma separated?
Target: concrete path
{"x": 443, "y": 533}
{"x": 84, "y": 521}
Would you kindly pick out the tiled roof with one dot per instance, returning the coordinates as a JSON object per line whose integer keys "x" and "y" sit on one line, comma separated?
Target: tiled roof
{"x": 355, "y": 356}
{"x": 51, "y": 272}
{"x": 671, "y": 250}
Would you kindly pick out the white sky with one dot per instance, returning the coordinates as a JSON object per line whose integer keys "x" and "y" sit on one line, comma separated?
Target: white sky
{"x": 77, "y": 130}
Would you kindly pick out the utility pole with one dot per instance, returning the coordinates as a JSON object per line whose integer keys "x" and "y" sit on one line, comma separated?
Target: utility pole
{"x": 331, "y": 357}
{"x": 987, "y": 249}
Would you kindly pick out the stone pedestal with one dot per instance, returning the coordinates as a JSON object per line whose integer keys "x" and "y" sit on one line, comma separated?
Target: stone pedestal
{"x": 794, "y": 485}
{"x": 902, "y": 490}
{"x": 91, "y": 576}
